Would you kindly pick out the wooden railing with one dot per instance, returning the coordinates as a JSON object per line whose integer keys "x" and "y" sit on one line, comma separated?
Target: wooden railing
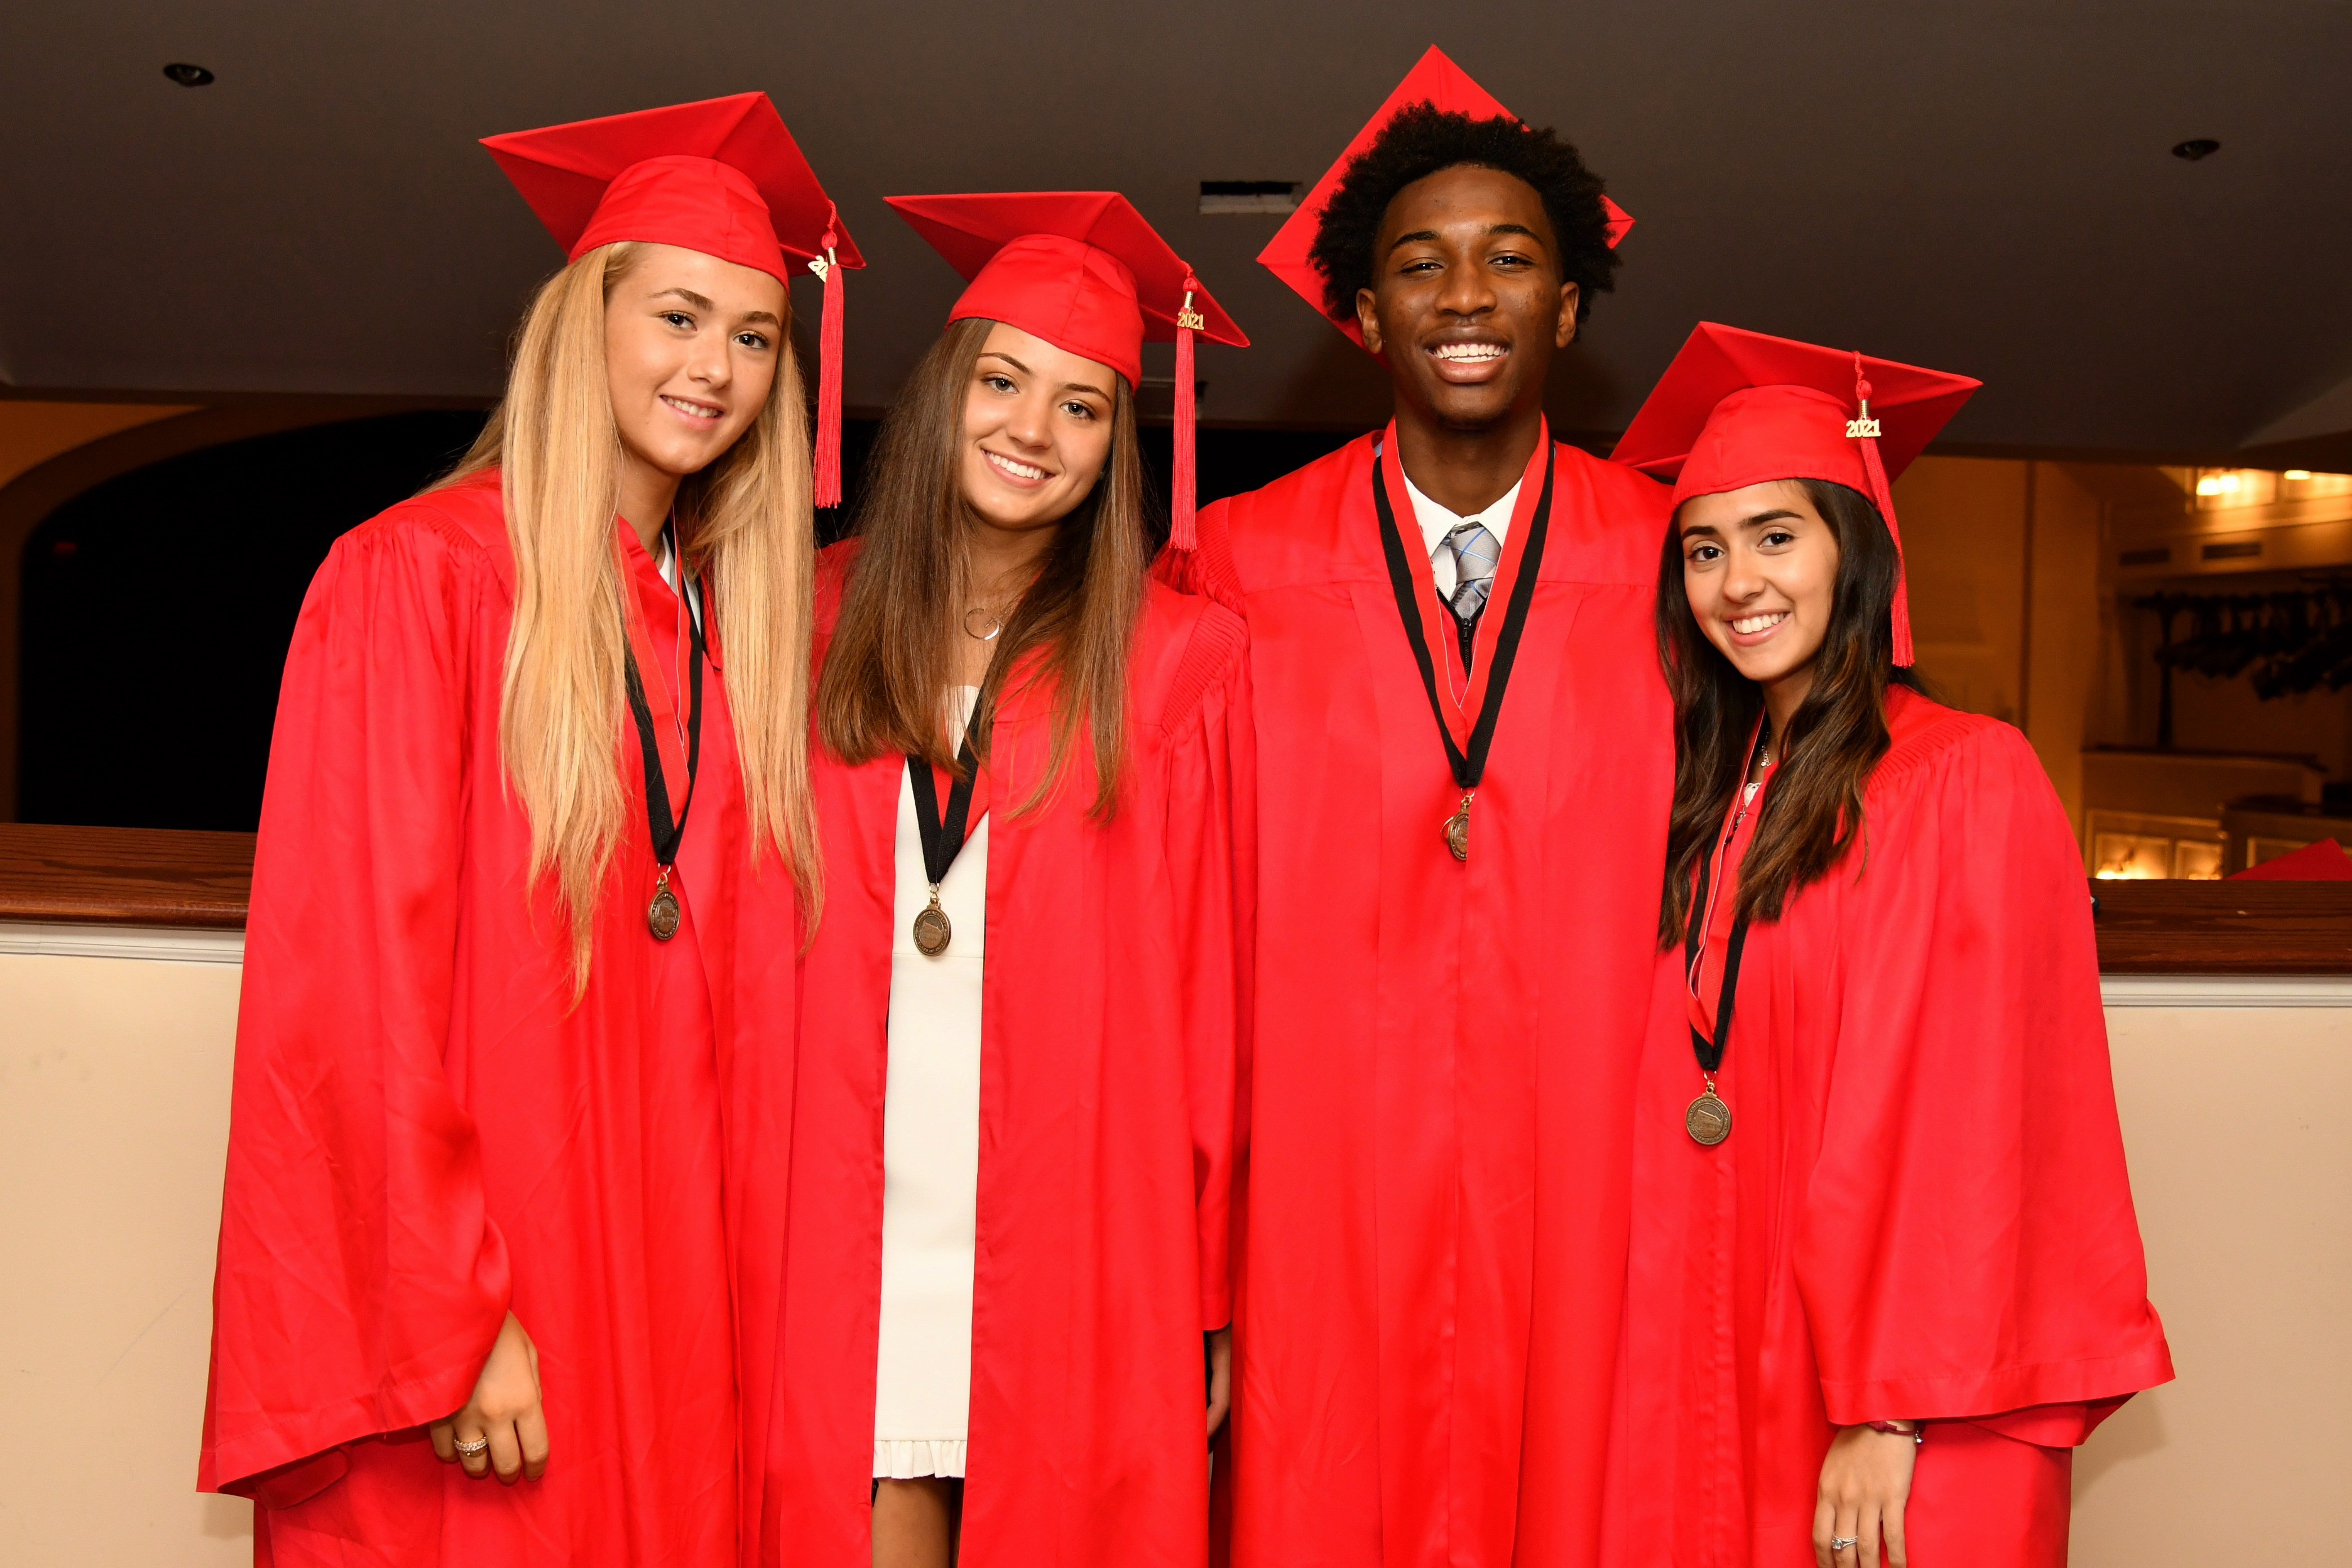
{"x": 124, "y": 876}
{"x": 2224, "y": 927}
{"x": 128, "y": 875}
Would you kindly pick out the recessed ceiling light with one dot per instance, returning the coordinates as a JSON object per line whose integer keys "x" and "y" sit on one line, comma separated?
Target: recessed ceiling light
{"x": 2202, "y": 147}
{"x": 188, "y": 74}
{"x": 1249, "y": 196}
{"x": 2298, "y": 473}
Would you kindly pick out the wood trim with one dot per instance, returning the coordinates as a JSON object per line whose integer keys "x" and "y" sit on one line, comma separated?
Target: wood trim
{"x": 148, "y": 877}
{"x": 2224, "y": 927}
{"x": 2236, "y": 992}
{"x": 124, "y": 876}
{"x": 145, "y": 944}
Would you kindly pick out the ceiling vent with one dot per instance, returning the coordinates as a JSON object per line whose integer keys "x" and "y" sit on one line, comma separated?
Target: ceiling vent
{"x": 1251, "y": 195}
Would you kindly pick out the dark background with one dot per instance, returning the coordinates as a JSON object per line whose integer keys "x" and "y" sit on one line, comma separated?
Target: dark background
{"x": 158, "y": 605}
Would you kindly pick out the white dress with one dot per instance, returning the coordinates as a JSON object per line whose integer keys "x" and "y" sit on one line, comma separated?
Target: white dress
{"x": 930, "y": 1159}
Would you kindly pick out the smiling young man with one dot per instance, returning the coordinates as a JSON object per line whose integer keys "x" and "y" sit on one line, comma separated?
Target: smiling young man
{"x": 1465, "y": 765}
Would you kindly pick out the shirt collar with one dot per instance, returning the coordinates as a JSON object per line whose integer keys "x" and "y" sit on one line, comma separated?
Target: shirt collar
{"x": 688, "y": 591}
{"x": 1437, "y": 521}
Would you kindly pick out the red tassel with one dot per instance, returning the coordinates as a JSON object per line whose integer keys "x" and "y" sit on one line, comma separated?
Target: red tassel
{"x": 828, "y": 392}
{"x": 1182, "y": 534}
{"x": 1865, "y": 429}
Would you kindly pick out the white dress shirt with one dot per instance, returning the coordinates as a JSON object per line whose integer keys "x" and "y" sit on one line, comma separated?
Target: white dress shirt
{"x": 1436, "y": 523}
{"x": 690, "y": 593}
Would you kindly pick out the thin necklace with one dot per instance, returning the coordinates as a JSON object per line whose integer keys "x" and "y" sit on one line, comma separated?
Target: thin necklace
{"x": 1763, "y": 765}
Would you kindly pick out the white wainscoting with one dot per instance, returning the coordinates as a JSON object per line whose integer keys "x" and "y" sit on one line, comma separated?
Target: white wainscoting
{"x": 115, "y": 1048}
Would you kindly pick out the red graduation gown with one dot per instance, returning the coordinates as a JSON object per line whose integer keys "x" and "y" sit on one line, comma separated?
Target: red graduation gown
{"x": 427, "y": 1130}
{"x": 1444, "y": 1052}
{"x": 1111, "y": 1010}
{"x": 1921, "y": 1211}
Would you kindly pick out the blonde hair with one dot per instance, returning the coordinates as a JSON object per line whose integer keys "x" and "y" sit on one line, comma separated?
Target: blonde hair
{"x": 746, "y": 520}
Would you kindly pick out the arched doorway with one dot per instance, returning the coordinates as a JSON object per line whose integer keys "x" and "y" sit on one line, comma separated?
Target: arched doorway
{"x": 156, "y": 608}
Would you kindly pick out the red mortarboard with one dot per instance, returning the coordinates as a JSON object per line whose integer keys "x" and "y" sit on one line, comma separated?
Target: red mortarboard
{"x": 1434, "y": 79}
{"x": 1085, "y": 271}
{"x": 723, "y": 178}
{"x": 1739, "y": 408}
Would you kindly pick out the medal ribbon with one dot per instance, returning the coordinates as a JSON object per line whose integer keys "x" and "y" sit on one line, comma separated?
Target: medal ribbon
{"x": 1467, "y": 738}
{"x": 656, "y": 712}
{"x": 942, "y": 840}
{"x": 1714, "y": 928}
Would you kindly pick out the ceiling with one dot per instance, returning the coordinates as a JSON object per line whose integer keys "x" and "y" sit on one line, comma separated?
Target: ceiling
{"x": 1982, "y": 187}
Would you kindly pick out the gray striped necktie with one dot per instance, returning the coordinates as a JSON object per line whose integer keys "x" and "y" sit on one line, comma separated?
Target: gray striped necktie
{"x": 1475, "y": 555}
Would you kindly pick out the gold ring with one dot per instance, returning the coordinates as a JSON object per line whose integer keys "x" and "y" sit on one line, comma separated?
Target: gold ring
{"x": 469, "y": 1449}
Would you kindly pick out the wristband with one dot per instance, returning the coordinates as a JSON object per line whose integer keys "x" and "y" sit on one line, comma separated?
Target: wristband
{"x": 1914, "y": 1431}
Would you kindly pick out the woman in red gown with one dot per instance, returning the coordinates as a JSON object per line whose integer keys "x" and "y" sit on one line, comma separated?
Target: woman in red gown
{"x": 1886, "y": 1274}
{"x": 1011, "y": 1148}
{"x": 536, "y": 802}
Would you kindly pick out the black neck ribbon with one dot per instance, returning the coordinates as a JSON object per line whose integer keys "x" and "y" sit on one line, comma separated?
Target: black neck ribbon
{"x": 1405, "y": 578}
{"x": 1710, "y": 1052}
{"x": 667, "y": 835}
{"x": 942, "y": 840}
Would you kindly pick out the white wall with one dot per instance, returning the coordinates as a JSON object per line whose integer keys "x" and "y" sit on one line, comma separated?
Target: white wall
{"x": 2241, "y": 1164}
{"x": 113, "y": 1112}
{"x": 114, "y": 1077}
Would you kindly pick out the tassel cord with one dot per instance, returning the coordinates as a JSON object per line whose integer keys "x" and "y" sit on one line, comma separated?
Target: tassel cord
{"x": 1883, "y": 493}
{"x": 828, "y": 457}
{"x": 1182, "y": 534}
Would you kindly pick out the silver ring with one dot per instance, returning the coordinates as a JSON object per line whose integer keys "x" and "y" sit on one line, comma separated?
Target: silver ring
{"x": 469, "y": 1449}
{"x": 1844, "y": 1543}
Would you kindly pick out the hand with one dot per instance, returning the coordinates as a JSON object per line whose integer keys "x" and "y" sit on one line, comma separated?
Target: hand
{"x": 1865, "y": 1482}
{"x": 505, "y": 1409}
{"x": 1221, "y": 1376}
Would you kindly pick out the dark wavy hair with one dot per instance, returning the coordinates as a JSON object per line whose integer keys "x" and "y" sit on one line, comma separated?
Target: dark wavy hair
{"x": 1422, "y": 140}
{"x": 1813, "y": 813}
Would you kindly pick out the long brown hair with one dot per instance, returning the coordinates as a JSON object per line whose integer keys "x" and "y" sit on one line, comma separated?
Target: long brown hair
{"x": 1812, "y": 813}
{"x": 746, "y": 520}
{"x": 892, "y": 651}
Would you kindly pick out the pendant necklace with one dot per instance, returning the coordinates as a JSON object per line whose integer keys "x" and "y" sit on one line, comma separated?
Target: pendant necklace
{"x": 984, "y": 621}
{"x": 663, "y": 914}
{"x": 1707, "y": 1118}
{"x": 943, "y": 840}
{"x": 1415, "y": 605}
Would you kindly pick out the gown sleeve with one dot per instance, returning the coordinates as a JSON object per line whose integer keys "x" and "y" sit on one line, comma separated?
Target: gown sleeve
{"x": 360, "y": 1281}
{"x": 1210, "y": 857}
{"x": 1968, "y": 1246}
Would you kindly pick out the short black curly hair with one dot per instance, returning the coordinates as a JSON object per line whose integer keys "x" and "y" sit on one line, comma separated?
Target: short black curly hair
{"x": 1424, "y": 139}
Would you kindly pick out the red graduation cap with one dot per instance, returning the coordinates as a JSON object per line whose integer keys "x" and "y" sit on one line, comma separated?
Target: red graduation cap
{"x": 1434, "y": 79}
{"x": 722, "y": 176}
{"x": 1739, "y": 408}
{"x": 1085, "y": 271}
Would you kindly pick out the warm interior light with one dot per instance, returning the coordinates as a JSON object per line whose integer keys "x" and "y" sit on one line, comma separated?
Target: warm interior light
{"x": 2217, "y": 485}
{"x": 2298, "y": 473}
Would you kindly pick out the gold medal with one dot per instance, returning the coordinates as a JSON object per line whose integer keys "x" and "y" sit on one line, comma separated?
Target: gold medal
{"x": 1457, "y": 828}
{"x": 662, "y": 914}
{"x": 1708, "y": 1120}
{"x": 933, "y": 932}
{"x": 664, "y": 834}
{"x": 1429, "y": 626}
